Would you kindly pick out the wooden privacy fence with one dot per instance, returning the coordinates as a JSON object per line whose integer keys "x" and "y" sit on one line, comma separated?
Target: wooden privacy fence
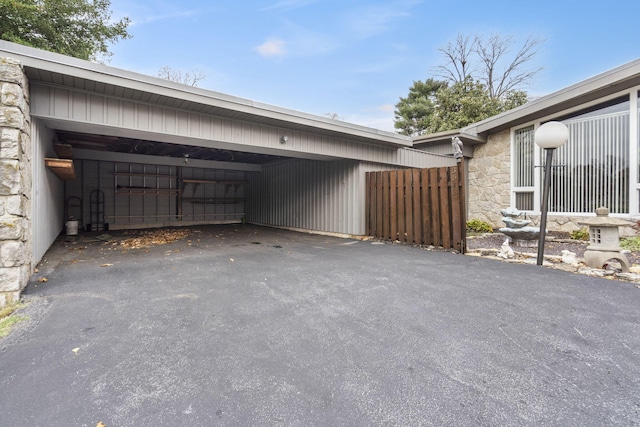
{"x": 422, "y": 206}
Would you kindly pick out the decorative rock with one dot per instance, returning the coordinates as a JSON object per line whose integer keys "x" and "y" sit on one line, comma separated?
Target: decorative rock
{"x": 569, "y": 257}
{"x": 505, "y": 251}
{"x": 629, "y": 276}
{"x": 591, "y": 272}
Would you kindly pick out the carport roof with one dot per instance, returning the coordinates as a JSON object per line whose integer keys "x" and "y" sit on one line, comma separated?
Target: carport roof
{"x": 61, "y": 70}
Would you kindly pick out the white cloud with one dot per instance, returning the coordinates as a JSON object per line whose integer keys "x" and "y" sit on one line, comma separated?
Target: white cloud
{"x": 272, "y": 48}
{"x": 290, "y": 4}
{"x": 374, "y": 20}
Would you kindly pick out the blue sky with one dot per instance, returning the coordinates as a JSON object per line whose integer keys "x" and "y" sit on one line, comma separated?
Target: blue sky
{"x": 356, "y": 58}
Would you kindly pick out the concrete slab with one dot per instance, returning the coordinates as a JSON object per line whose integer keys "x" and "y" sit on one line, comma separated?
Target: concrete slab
{"x": 242, "y": 325}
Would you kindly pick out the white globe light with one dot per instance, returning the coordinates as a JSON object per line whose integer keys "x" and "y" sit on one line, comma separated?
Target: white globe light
{"x": 551, "y": 135}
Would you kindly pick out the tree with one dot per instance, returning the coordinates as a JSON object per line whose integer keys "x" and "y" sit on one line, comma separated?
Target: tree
{"x": 413, "y": 113}
{"x": 489, "y": 60}
{"x": 79, "y": 28}
{"x": 479, "y": 78}
{"x": 469, "y": 101}
{"x": 190, "y": 78}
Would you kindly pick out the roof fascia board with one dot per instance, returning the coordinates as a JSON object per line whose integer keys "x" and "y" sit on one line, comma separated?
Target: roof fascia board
{"x": 446, "y": 136}
{"x": 57, "y": 63}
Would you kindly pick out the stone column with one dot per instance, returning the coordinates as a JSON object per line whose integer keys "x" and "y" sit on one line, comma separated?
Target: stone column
{"x": 15, "y": 183}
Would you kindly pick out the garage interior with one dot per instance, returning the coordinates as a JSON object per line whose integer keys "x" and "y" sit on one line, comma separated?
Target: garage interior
{"x": 103, "y": 195}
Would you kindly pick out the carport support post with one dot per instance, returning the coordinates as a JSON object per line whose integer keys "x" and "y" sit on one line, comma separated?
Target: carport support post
{"x": 15, "y": 184}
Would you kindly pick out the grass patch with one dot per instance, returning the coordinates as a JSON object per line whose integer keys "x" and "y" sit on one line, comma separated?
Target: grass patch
{"x": 8, "y": 318}
{"x": 630, "y": 243}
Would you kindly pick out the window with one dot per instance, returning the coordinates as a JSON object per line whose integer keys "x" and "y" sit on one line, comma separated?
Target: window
{"x": 591, "y": 170}
{"x": 593, "y": 167}
{"x": 523, "y": 180}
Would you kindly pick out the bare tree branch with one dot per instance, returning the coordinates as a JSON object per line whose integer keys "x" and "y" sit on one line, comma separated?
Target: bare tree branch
{"x": 498, "y": 74}
{"x": 190, "y": 78}
{"x": 458, "y": 64}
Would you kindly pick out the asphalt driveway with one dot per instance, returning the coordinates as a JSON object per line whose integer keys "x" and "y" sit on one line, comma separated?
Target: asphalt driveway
{"x": 245, "y": 325}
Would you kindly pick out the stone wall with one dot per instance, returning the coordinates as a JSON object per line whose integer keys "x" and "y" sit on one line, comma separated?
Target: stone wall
{"x": 489, "y": 188}
{"x": 15, "y": 185}
{"x": 489, "y": 179}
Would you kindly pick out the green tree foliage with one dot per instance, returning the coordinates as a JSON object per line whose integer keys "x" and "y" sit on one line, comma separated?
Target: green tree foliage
{"x": 469, "y": 101}
{"x": 79, "y": 28}
{"x": 413, "y": 113}
{"x": 450, "y": 106}
{"x": 480, "y": 78}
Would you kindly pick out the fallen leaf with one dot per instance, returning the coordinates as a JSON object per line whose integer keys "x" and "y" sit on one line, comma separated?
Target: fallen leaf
{"x": 75, "y": 350}
{"x": 106, "y": 265}
{"x": 35, "y": 270}
{"x": 42, "y": 279}
{"x": 101, "y": 424}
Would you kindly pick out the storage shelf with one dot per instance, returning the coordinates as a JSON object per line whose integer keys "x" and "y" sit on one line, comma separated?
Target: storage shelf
{"x": 211, "y": 201}
{"x": 124, "y": 190}
{"x": 144, "y": 175}
{"x": 207, "y": 181}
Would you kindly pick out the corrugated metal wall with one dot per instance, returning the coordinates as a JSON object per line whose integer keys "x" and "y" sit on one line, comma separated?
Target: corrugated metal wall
{"x": 144, "y": 195}
{"x": 47, "y": 194}
{"x": 324, "y": 196}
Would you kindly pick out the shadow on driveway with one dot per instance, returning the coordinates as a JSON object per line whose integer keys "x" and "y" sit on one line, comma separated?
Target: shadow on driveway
{"x": 243, "y": 325}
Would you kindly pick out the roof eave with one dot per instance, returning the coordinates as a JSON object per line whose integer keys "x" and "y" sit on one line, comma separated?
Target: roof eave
{"x": 445, "y": 136}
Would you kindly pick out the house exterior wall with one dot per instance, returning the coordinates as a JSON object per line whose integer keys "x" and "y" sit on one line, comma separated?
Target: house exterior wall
{"x": 489, "y": 179}
{"x": 15, "y": 186}
{"x": 325, "y": 196}
{"x": 490, "y": 188}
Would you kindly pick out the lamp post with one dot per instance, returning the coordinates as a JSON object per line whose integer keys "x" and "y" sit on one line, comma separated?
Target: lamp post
{"x": 549, "y": 136}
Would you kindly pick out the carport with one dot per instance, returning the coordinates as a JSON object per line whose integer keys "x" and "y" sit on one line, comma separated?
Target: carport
{"x": 116, "y": 149}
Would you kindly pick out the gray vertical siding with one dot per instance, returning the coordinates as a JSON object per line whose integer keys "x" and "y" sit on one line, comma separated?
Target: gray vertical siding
{"x": 326, "y": 196}
{"x": 121, "y": 117}
{"x": 47, "y": 198}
